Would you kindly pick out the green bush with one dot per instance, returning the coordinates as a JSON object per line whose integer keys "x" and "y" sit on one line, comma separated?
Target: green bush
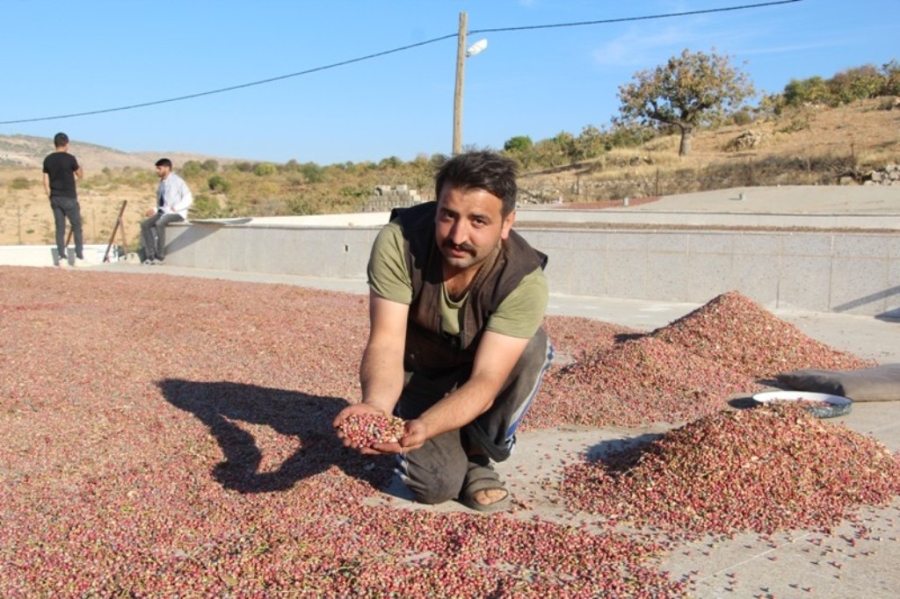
{"x": 858, "y": 83}
{"x": 264, "y": 169}
{"x": 313, "y": 172}
{"x": 518, "y": 144}
{"x": 191, "y": 168}
{"x": 741, "y": 117}
{"x": 807, "y": 91}
{"x": 300, "y": 206}
{"x": 218, "y": 183}
{"x": 392, "y": 162}
{"x": 205, "y": 206}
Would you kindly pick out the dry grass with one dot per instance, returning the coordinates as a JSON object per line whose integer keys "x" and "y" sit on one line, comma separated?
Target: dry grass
{"x": 802, "y": 147}
{"x": 26, "y": 218}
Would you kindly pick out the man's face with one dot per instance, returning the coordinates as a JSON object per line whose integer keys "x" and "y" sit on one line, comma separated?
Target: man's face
{"x": 469, "y": 225}
{"x": 163, "y": 171}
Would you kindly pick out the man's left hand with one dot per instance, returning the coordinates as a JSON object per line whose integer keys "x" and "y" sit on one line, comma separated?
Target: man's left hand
{"x": 415, "y": 436}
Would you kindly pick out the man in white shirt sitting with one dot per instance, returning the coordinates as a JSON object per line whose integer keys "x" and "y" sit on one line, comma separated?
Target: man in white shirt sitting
{"x": 173, "y": 198}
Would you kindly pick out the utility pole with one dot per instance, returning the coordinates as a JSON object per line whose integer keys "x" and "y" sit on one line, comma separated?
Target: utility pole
{"x": 460, "y": 76}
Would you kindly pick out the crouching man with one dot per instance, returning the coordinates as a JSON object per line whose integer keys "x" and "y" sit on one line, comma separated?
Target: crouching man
{"x": 455, "y": 345}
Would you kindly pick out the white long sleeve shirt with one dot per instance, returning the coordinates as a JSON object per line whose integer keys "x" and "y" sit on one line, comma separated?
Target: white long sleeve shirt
{"x": 173, "y": 195}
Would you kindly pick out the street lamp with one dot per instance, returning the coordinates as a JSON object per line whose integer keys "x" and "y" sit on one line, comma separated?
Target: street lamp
{"x": 461, "y": 54}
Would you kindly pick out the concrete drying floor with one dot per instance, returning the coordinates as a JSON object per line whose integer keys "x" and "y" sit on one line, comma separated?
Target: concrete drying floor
{"x": 796, "y": 564}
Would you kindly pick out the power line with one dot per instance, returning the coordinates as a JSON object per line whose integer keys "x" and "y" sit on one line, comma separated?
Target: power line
{"x": 644, "y": 18}
{"x": 230, "y": 88}
{"x": 392, "y": 51}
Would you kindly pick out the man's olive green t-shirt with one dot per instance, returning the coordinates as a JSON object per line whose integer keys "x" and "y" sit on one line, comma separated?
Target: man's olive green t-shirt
{"x": 519, "y": 314}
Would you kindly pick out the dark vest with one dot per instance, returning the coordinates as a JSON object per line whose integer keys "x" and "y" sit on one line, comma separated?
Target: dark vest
{"x": 428, "y": 349}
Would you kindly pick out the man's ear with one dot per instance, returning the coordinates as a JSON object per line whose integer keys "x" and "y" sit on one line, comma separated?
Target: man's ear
{"x": 507, "y": 224}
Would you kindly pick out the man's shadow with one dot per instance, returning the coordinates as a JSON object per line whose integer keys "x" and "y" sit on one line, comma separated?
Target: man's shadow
{"x": 219, "y": 404}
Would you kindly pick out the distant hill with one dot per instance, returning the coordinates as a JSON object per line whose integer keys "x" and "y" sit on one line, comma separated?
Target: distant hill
{"x": 25, "y": 151}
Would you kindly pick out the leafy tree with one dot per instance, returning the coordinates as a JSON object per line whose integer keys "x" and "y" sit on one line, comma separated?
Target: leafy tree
{"x": 891, "y": 72}
{"x": 857, "y": 83}
{"x": 806, "y": 91}
{"x": 518, "y": 144}
{"x": 590, "y": 143}
{"x": 552, "y": 152}
{"x": 690, "y": 90}
{"x": 390, "y": 162}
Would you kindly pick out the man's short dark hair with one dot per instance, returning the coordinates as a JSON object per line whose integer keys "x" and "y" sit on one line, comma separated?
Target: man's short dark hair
{"x": 164, "y": 162}
{"x": 60, "y": 140}
{"x": 480, "y": 170}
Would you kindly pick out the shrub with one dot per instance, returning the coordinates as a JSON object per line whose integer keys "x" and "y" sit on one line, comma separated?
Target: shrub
{"x": 807, "y": 91}
{"x": 191, "y": 168}
{"x": 20, "y": 183}
{"x": 300, "y": 206}
{"x": 518, "y": 144}
{"x": 313, "y": 172}
{"x": 389, "y": 163}
{"x": 891, "y": 86}
{"x": 858, "y": 83}
{"x": 741, "y": 117}
{"x": 218, "y": 183}
{"x": 205, "y": 206}
{"x": 888, "y": 104}
{"x": 264, "y": 169}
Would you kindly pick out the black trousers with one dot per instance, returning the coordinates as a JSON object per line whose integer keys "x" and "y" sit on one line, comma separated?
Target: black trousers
{"x": 67, "y": 207}
{"x": 436, "y": 471}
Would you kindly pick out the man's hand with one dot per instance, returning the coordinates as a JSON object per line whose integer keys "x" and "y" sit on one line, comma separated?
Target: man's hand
{"x": 362, "y": 408}
{"x": 150, "y": 212}
{"x": 414, "y": 437}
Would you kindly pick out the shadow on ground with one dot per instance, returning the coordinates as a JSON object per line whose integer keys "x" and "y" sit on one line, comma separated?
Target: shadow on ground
{"x": 610, "y": 448}
{"x": 221, "y": 406}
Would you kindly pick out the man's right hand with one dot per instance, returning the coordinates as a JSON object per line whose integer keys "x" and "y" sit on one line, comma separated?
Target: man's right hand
{"x": 150, "y": 212}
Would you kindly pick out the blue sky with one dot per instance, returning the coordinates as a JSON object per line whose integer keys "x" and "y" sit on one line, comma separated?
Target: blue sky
{"x": 64, "y": 57}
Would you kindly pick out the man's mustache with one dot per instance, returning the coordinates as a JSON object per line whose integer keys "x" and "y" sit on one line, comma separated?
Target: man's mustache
{"x": 464, "y": 247}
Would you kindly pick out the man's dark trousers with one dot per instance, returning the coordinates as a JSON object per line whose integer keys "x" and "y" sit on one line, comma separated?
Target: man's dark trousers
{"x": 67, "y": 207}
{"x": 153, "y": 234}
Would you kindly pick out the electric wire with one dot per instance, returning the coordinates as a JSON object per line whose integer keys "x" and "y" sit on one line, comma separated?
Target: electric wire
{"x": 392, "y": 51}
{"x": 644, "y": 18}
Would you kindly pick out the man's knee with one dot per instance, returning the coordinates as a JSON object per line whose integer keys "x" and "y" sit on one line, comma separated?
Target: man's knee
{"x": 433, "y": 490}
{"x": 435, "y": 472}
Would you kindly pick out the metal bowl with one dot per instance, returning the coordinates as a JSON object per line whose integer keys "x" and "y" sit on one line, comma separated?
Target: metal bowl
{"x": 837, "y": 405}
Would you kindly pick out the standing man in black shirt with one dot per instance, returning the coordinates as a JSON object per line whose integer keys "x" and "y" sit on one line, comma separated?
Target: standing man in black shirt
{"x": 60, "y": 171}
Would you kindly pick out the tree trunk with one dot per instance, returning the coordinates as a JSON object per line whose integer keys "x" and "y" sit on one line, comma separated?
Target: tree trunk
{"x": 686, "y": 134}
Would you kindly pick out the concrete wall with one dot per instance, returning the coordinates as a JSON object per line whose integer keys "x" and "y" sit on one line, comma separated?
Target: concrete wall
{"x": 856, "y": 273}
{"x": 46, "y": 255}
